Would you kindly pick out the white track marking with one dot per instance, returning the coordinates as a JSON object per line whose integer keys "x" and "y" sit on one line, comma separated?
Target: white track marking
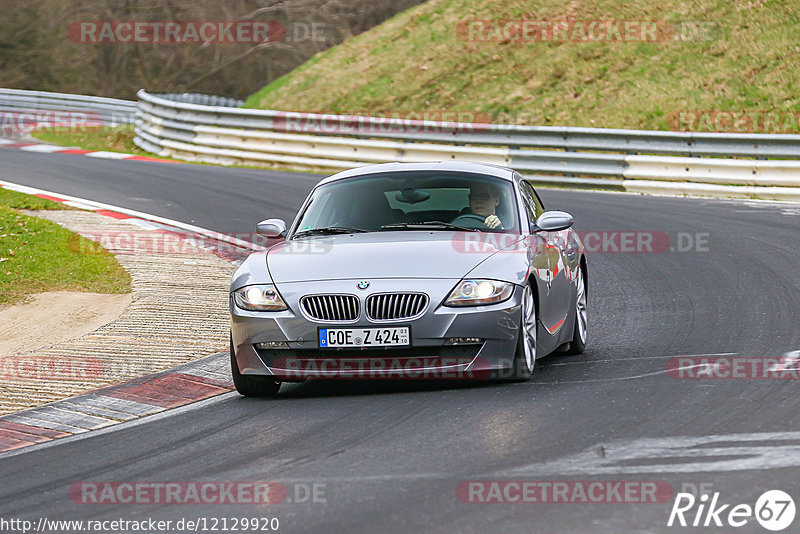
{"x": 44, "y": 148}
{"x": 78, "y": 205}
{"x": 141, "y": 215}
{"x": 107, "y": 155}
{"x": 145, "y": 225}
{"x": 613, "y": 360}
{"x": 728, "y": 452}
{"x": 619, "y": 378}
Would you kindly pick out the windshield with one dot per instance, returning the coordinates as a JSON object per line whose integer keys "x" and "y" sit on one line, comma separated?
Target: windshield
{"x": 413, "y": 201}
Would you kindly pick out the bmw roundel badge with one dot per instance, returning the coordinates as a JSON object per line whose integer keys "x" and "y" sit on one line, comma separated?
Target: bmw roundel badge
{"x": 363, "y": 284}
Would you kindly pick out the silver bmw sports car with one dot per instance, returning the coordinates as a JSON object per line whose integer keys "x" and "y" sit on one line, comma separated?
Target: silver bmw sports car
{"x": 410, "y": 270}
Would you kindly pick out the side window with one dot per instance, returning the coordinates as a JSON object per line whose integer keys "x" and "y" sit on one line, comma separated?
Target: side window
{"x": 538, "y": 202}
{"x": 532, "y": 203}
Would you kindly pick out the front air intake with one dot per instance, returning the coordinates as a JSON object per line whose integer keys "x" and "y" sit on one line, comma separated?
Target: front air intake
{"x": 395, "y": 306}
{"x": 331, "y": 307}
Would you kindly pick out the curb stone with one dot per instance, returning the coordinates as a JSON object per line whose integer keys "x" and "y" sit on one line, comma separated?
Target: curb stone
{"x": 140, "y": 397}
{"x": 151, "y": 335}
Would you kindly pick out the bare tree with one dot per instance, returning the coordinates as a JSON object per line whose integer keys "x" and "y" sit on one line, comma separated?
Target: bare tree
{"x": 39, "y": 48}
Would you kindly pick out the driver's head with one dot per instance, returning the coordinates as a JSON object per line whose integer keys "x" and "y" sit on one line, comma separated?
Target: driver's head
{"x": 483, "y": 199}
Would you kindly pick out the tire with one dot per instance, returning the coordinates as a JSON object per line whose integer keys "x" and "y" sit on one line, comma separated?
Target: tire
{"x": 578, "y": 343}
{"x": 525, "y": 356}
{"x": 252, "y": 386}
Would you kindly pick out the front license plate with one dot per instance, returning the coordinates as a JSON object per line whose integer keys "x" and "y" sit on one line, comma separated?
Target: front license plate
{"x": 397, "y": 336}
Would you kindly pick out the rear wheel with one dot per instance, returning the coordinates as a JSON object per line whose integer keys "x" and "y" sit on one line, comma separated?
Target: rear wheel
{"x": 249, "y": 385}
{"x": 525, "y": 356}
{"x": 578, "y": 343}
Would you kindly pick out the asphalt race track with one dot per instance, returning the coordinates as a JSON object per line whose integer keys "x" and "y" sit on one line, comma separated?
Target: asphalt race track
{"x": 389, "y": 456}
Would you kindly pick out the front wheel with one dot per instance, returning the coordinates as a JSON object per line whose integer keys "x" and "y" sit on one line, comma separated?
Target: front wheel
{"x": 525, "y": 356}
{"x": 252, "y": 386}
{"x": 578, "y": 343}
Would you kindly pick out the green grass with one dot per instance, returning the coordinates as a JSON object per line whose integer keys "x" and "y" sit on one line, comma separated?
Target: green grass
{"x": 418, "y": 61}
{"x": 21, "y": 201}
{"x": 118, "y": 139}
{"x": 38, "y": 255}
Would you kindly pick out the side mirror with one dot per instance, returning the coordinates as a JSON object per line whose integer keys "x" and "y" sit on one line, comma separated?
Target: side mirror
{"x": 271, "y": 228}
{"x": 553, "y": 221}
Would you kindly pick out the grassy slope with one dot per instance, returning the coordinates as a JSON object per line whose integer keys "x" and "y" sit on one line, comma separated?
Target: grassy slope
{"x": 38, "y": 255}
{"x": 114, "y": 139}
{"x": 416, "y": 61}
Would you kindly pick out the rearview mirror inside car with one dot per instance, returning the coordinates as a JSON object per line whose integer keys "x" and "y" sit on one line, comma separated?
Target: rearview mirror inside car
{"x": 409, "y": 195}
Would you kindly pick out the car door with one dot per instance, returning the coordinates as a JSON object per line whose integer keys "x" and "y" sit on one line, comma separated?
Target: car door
{"x": 553, "y": 245}
{"x": 563, "y": 265}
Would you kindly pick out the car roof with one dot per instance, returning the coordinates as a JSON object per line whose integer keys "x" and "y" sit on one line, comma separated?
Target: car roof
{"x": 445, "y": 166}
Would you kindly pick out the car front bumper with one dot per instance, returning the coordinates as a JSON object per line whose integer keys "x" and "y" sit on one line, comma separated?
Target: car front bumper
{"x": 496, "y": 325}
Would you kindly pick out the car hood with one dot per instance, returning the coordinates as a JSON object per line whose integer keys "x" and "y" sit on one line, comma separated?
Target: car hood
{"x": 403, "y": 254}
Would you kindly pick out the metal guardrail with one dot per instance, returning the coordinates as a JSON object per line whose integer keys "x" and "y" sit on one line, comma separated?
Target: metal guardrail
{"x": 187, "y": 130}
{"x": 111, "y": 111}
{"x": 228, "y": 135}
{"x": 204, "y": 100}
{"x": 557, "y": 137}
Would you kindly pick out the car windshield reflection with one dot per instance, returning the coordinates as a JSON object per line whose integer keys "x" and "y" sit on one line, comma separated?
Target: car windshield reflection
{"x": 406, "y": 201}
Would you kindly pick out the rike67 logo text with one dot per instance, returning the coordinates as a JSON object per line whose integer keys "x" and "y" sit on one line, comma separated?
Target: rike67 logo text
{"x": 774, "y": 510}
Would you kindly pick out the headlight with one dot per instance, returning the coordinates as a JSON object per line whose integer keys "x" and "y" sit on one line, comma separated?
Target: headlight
{"x": 478, "y": 292}
{"x": 259, "y": 298}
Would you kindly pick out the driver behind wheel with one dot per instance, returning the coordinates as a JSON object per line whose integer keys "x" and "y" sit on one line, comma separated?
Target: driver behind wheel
{"x": 483, "y": 201}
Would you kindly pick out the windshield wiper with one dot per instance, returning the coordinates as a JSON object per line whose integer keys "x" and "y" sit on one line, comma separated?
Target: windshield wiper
{"x": 329, "y": 230}
{"x": 427, "y": 224}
